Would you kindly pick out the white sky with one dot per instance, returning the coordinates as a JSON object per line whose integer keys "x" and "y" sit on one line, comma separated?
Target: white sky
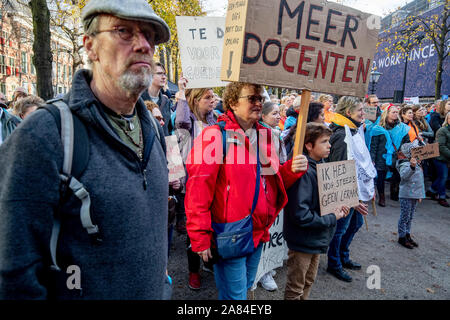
{"x": 217, "y": 8}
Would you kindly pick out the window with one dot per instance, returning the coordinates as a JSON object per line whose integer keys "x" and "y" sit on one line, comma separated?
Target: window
{"x": 12, "y": 64}
{"x": 2, "y": 65}
{"x": 70, "y": 73}
{"x": 64, "y": 73}
{"x": 24, "y": 63}
{"x": 59, "y": 72}
{"x": 3, "y": 88}
{"x": 53, "y": 69}
{"x": 33, "y": 69}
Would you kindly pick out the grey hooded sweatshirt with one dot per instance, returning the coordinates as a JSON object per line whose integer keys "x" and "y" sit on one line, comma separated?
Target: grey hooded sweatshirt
{"x": 128, "y": 203}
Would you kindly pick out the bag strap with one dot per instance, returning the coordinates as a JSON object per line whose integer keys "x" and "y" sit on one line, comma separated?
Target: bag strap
{"x": 258, "y": 175}
{"x": 258, "y": 162}
{"x": 66, "y": 125}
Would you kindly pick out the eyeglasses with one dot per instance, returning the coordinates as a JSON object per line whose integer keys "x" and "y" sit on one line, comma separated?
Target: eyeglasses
{"x": 374, "y": 102}
{"x": 160, "y": 73}
{"x": 127, "y": 34}
{"x": 253, "y": 98}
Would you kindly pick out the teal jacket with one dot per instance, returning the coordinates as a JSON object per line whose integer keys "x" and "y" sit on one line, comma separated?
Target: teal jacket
{"x": 8, "y": 123}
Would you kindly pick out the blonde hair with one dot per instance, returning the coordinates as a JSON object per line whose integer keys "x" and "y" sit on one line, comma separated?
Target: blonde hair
{"x": 193, "y": 96}
{"x": 384, "y": 115}
{"x": 441, "y": 107}
{"x": 347, "y": 104}
{"x": 325, "y": 97}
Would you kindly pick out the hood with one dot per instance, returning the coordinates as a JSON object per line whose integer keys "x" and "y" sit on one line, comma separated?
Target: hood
{"x": 84, "y": 103}
{"x": 291, "y": 112}
{"x": 340, "y": 120}
{"x": 406, "y": 148}
{"x": 312, "y": 163}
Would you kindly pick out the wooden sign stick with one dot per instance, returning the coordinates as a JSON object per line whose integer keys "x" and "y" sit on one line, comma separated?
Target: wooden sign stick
{"x": 365, "y": 221}
{"x": 374, "y": 207}
{"x": 301, "y": 123}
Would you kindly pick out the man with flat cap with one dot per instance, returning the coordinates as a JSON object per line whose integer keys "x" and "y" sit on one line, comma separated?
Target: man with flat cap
{"x": 126, "y": 176}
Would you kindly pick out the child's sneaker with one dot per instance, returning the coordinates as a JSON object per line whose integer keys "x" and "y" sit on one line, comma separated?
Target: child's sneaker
{"x": 268, "y": 283}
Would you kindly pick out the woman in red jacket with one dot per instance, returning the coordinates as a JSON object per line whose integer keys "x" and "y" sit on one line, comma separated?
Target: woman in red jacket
{"x": 222, "y": 188}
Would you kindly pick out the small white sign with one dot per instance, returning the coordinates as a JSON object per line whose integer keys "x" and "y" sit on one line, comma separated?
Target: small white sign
{"x": 201, "y": 42}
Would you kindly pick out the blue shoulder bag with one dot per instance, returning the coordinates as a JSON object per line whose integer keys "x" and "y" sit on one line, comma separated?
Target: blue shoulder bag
{"x": 235, "y": 239}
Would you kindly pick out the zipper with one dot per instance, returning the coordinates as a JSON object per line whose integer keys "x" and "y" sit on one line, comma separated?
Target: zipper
{"x": 226, "y": 200}
{"x": 144, "y": 172}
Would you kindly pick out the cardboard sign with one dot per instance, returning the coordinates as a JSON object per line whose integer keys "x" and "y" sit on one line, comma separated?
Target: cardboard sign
{"x": 175, "y": 162}
{"x": 274, "y": 251}
{"x": 201, "y": 44}
{"x": 337, "y": 185}
{"x": 316, "y": 45}
{"x": 370, "y": 112}
{"x": 426, "y": 152}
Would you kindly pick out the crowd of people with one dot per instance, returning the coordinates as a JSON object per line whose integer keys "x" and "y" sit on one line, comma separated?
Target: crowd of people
{"x": 227, "y": 200}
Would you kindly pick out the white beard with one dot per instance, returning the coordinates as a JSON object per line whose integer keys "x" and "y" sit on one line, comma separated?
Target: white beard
{"x": 135, "y": 82}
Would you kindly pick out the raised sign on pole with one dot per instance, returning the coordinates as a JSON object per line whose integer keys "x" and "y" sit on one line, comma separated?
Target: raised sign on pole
{"x": 201, "y": 44}
{"x": 316, "y": 45}
{"x": 337, "y": 185}
{"x": 301, "y": 123}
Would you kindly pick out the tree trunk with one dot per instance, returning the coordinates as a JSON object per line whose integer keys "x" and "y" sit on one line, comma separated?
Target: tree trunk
{"x": 176, "y": 60}
{"x": 42, "y": 58}
{"x": 168, "y": 67}
{"x": 162, "y": 57}
{"x": 438, "y": 81}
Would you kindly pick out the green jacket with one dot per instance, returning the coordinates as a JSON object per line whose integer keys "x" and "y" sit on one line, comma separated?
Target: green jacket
{"x": 8, "y": 123}
{"x": 443, "y": 137}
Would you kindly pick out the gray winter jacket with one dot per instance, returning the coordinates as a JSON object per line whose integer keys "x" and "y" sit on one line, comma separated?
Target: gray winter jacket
{"x": 128, "y": 203}
{"x": 412, "y": 180}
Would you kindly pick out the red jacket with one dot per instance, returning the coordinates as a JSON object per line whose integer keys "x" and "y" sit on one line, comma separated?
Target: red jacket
{"x": 224, "y": 192}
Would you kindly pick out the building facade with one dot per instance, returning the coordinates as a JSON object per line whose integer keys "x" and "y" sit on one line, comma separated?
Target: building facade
{"x": 16, "y": 53}
{"x": 420, "y": 72}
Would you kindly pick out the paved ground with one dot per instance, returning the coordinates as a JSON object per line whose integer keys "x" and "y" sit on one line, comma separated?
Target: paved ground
{"x": 419, "y": 274}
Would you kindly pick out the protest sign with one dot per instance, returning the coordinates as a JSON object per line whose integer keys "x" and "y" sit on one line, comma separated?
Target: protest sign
{"x": 274, "y": 251}
{"x": 175, "y": 162}
{"x": 337, "y": 185}
{"x": 370, "y": 112}
{"x": 316, "y": 45}
{"x": 201, "y": 43}
{"x": 427, "y": 151}
{"x": 411, "y": 100}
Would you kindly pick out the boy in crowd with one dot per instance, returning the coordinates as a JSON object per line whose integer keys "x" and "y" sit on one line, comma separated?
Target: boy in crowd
{"x": 307, "y": 233}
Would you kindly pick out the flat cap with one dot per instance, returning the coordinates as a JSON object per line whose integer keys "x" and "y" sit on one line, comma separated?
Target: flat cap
{"x": 137, "y": 10}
